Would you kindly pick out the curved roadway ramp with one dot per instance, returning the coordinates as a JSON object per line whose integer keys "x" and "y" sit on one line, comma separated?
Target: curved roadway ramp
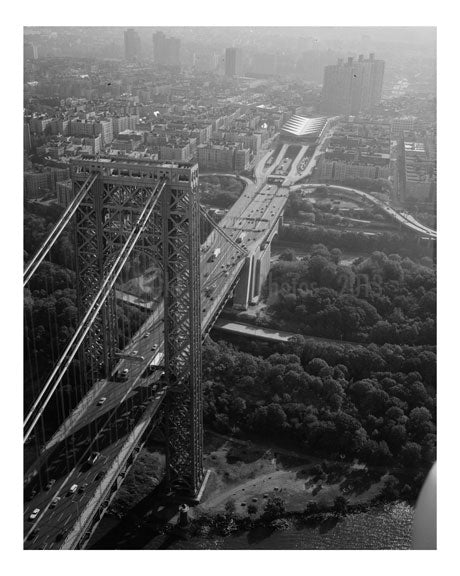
{"x": 402, "y": 218}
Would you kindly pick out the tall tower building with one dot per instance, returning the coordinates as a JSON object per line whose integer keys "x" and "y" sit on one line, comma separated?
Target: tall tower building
{"x": 132, "y": 44}
{"x": 352, "y": 87}
{"x": 166, "y": 50}
{"x": 232, "y": 62}
{"x": 27, "y": 138}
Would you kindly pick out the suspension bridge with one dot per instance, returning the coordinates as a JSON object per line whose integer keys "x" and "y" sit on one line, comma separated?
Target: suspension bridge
{"x": 111, "y": 382}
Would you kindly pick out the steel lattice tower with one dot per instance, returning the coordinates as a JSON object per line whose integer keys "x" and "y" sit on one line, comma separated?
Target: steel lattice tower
{"x": 103, "y": 221}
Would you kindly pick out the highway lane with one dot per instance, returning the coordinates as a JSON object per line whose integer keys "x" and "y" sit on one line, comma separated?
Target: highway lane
{"x": 277, "y": 160}
{"x": 113, "y": 432}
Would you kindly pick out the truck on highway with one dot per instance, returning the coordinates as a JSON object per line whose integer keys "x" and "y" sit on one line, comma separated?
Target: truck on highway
{"x": 214, "y": 255}
{"x": 155, "y": 364}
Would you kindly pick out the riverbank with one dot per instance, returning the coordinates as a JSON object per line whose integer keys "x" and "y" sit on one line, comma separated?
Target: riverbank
{"x": 385, "y": 527}
{"x": 312, "y": 504}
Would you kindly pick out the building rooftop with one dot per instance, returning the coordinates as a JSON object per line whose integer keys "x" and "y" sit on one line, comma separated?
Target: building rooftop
{"x": 302, "y": 126}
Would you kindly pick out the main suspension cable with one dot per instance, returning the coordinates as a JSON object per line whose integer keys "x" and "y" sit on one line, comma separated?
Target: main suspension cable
{"x": 56, "y": 231}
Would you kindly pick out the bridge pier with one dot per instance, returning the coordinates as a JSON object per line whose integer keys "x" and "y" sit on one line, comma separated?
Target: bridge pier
{"x": 242, "y": 294}
{"x": 254, "y": 273}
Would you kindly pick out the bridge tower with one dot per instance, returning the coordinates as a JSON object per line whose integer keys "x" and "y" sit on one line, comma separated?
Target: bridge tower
{"x": 103, "y": 221}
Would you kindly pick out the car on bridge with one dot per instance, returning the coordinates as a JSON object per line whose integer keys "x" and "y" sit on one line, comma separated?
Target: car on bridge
{"x": 73, "y": 489}
{"x": 34, "y": 514}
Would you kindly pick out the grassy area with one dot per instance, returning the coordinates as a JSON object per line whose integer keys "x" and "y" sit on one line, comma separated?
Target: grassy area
{"x": 220, "y": 191}
{"x": 244, "y": 473}
{"x": 225, "y": 183}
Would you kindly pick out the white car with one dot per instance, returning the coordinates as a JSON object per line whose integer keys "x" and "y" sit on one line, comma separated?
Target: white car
{"x": 73, "y": 488}
{"x": 34, "y": 514}
{"x": 101, "y": 401}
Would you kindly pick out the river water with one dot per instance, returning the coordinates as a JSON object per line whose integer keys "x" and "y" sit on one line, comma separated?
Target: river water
{"x": 387, "y": 528}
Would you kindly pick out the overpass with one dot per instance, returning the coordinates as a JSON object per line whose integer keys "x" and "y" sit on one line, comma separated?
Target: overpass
{"x": 116, "y": 416}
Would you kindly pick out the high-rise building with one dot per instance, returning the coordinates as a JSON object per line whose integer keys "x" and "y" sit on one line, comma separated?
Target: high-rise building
{"x": 27, "y": 138}
{"x": 132, "y": 44}
{"x": 166, "y": 50}
{"x": 30, "y": 51}
{"x": 352, "y": 87}
{"x": 232, "y": 62}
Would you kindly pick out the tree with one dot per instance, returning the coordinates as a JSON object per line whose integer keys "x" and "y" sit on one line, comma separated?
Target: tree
{"x": 316, "y": 265}
{"x": 316, "y": 365}
{"x": 396, "y": 436}
{"x": 336, "y": 255}
{"x": 252, "y": 509}
{"x": 274, "y": 508}
{"x": 340, "y": 506}
{"x": 411, "y": 454}
{"x": 288, "y": 255}
{"x": 276, "y": 416}
{"x": 230, "y": 507}
{"x": 238, "y": 407}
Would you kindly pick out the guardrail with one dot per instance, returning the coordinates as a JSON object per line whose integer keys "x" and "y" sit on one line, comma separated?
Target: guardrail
{"x": 114, "y": 477}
